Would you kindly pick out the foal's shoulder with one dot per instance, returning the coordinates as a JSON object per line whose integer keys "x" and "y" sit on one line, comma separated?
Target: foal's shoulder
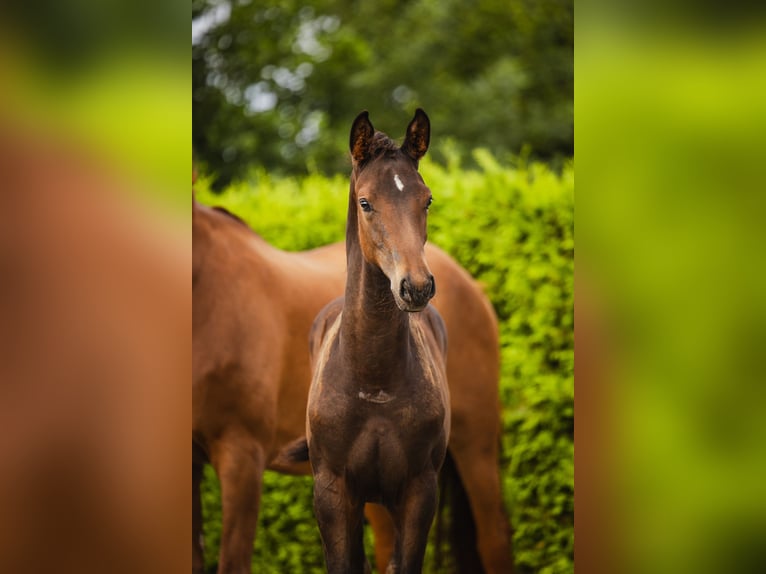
{"x": 324, "y": 320}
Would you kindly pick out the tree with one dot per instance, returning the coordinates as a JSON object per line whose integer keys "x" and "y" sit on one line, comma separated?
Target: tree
{"x": 276, "y": 84}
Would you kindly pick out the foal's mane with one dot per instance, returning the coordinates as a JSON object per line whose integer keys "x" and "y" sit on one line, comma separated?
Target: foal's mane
{"x": 381, "y": 146}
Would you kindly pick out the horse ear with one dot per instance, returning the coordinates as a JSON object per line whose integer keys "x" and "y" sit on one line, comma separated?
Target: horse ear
{"x": 361, "y": 137}
{"x": 418, "y": 136}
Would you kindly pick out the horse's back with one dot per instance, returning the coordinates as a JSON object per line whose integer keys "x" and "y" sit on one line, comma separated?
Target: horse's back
{"x": 470, "y": 322}
{"x": 473, "y": 358}
{"x": 459, "y": 298}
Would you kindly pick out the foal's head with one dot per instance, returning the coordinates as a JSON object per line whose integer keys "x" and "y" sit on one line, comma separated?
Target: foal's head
{"x": 391, "y": 202}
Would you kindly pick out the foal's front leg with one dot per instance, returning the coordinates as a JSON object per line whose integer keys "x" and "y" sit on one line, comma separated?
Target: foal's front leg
{"x": 339, "y": 513}
{"x": 413, "y": 516}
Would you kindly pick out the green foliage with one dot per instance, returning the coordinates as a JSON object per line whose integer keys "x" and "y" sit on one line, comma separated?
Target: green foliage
{"x": 276, "y": 84}
{"x": 287, "y": 536}
{"x": 513, "y": 229}
{"x": 290, "y": 213}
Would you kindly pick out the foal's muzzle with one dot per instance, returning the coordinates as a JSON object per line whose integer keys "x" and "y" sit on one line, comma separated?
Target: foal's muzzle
{"x": 417, "y": 296}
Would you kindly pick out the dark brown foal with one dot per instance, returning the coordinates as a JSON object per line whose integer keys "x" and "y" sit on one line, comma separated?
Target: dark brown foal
{"x": 378, "y": 414}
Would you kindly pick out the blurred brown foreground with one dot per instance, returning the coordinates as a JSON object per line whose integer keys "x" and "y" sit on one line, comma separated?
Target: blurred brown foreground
{"x": 95, "y": 359}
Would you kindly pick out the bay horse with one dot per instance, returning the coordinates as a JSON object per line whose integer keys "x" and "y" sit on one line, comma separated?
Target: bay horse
{"x": 253, "y": 306}
{"x": 378, "y": 415}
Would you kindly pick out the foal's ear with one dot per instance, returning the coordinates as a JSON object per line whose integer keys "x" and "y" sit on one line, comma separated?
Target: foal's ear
{"x": 418, "y": 135}
{"x": 361, "y": 137}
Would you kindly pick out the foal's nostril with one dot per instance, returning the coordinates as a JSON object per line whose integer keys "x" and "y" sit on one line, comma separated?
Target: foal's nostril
{"x": 417, "y": 294}
{"x": 404, "y": 290}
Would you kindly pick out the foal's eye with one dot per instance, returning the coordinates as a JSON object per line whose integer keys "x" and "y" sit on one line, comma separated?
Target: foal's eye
{"x": 430, "y": 201}
{"x": 365, "y": 205}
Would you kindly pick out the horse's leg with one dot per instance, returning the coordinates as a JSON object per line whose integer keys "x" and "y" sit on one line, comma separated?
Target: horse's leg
{"x": 340, "y": 518}
{"x": 383, "y": 527}
{"x": 480, "y": 475}
{"x": 414, "y": 515}
{"x": 240, "y": 466}
{"x": 198, "y": 559}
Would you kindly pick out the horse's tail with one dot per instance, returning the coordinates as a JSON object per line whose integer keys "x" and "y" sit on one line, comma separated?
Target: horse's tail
{"x": 296, "y": 451}
{"x": 460, "y": 528}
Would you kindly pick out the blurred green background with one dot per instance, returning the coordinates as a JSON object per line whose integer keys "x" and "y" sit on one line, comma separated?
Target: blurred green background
{"x": 102, "y": 78}
{"x": 671, "y": 140}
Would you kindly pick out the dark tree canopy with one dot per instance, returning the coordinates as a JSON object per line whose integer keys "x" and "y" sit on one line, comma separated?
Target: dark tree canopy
{"x": 277, "y": 83}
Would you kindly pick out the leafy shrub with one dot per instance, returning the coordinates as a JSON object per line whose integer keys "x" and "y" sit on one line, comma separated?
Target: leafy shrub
{"x": 513, "y": 229}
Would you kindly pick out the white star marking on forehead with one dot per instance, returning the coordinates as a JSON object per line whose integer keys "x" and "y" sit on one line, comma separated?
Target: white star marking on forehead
{"x": 398, "y": 182}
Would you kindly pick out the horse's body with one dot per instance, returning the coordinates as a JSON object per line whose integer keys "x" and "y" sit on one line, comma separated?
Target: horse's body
{"x": 253, "y": 309}
{"x": 378, "y": 415}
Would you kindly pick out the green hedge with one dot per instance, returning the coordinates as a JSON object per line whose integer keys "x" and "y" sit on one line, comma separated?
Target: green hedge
{"x": 512, "y": 227}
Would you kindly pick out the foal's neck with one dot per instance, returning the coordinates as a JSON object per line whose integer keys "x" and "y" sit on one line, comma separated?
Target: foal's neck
{"x": 374, "y": 332}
